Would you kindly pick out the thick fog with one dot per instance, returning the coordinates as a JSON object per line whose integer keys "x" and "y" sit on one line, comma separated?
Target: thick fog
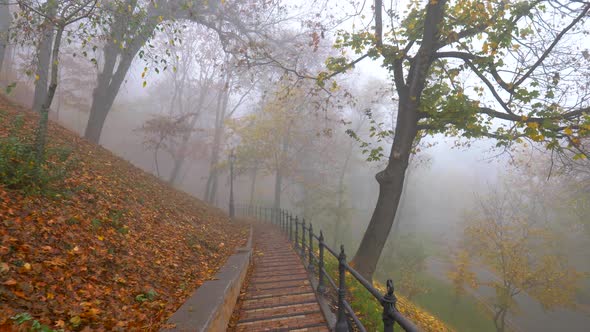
{"x": 304, "y": 147}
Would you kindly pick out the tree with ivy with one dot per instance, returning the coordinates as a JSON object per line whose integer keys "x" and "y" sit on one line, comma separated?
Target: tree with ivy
{"x": 510, "y": 71}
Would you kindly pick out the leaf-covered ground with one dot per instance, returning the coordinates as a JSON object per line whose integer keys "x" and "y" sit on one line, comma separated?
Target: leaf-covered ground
{"x": 117, "y": 250}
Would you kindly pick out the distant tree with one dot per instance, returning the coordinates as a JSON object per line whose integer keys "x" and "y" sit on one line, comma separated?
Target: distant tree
{"x": 231, "y": 84}
{"x": 501, "y": 70}
{"x": 191, "y": 86}
{"x": 273, "y": 136}
{"x": 165, "y": 133}
{"x": 521, "y": 253}
{"x": 267, "y": 137}
{"x": 461, "y": 276}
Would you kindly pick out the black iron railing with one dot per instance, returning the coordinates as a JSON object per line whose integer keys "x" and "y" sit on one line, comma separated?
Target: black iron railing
{"x": 303, "y": 238}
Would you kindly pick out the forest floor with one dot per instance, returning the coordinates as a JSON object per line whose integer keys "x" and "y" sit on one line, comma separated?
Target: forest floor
{"x": 112, "y": 248}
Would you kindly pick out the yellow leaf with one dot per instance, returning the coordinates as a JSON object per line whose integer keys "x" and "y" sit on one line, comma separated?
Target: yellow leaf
{"x": 100, "y": 237}
{"x": 144, "y": 83}
{"x": 568, "y": 131}
{"x": 75, "y": 321}
{"x": 36, "y": 77}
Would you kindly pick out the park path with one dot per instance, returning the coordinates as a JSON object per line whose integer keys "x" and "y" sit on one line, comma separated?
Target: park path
{"x": 279, "y": 296}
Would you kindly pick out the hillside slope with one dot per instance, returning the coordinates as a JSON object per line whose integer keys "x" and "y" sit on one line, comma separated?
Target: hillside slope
{"x": 117, "y": 249}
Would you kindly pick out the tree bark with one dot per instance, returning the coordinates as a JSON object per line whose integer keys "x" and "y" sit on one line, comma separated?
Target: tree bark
{"x": 117, "y": 62}
{"x": 500, "y": 320}
{"x": 5, "y": 21}
{"x": 43, "y": 62}
{"x": 278, "y": 187}
{"x": 391, "y": 179}
{"x": 253, "y": 185}
{"x": 181, "y": 157}
{"x": 211, "y": 188}
{"x": 109, "y": 82}
{"x": 41, "y": 137}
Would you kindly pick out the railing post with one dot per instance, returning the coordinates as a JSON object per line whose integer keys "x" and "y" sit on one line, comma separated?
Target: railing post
{"x": 310, "y": 265}
{"x": 321, "y": 288}
{"x": 341, "y": 323}
{"x": 303, "y": 238}
{"x": 388, "y": 303}
{"x": 296, "y": 233}
{"x": 290, "y": 218}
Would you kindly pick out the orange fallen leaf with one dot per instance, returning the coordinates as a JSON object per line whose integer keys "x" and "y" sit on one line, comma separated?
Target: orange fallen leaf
{"x": 9, "y": 282}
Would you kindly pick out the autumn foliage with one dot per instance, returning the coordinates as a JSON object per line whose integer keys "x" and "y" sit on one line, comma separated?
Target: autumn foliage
{"x": 114, "y": 249}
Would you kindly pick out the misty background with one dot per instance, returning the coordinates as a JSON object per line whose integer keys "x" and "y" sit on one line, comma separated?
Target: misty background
{"x": 181, "y": 124}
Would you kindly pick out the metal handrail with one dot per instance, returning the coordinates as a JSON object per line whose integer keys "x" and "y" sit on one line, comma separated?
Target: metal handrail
{"x": 303, "y": 244}
{"x": 356, "y": 320}
{"x": 330, "y": 279}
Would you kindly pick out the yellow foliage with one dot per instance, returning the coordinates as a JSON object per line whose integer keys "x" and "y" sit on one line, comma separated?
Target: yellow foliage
{"x": 422, "y": 318}
{"x": 518, "y": 251}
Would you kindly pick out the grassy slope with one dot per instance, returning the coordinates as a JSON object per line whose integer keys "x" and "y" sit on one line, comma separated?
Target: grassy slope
{"x": 82, "y": 259}
{"x": 465, "y": 315}
{"x": 369, "y": 310}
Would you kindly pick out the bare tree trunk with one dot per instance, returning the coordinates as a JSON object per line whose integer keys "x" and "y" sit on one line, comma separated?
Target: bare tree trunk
{"x": 391, "y": 179}
{"x": 253, "y": 185}
{"x": 109, "y": 82}
{"x": 340, "y": 206}
{"x": 398, "y": 220}
{"x": 5, "y": 21}
{"x": 43, "y": 62}
{"x": 278, "y": 188}
{"x": 279, "y": 175}
{"x": 156, "y": 159}
{"x": 500, "y": 320}
{"x": 211, "y": 189}
{"x": 41, "y": 137}
{"x": 181, "y": 157}
{"x": 117, "y": 62}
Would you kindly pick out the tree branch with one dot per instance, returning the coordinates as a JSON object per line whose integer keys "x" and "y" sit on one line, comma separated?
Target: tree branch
{"x": 550, "y": 48}
{"x": 513, "y": 117}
